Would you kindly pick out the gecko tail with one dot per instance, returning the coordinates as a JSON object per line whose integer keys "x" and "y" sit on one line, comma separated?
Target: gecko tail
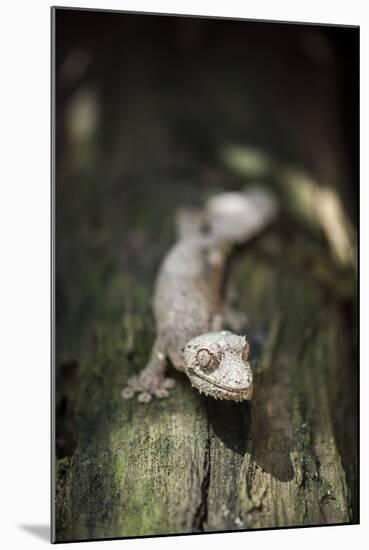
{"x": 237, "y": 217}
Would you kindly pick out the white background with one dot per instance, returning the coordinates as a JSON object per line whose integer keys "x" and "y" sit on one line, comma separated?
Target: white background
{"x": 25, "y": 268}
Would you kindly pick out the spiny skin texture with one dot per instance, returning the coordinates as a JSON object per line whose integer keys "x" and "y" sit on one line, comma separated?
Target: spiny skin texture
{"x": 217, "y": 365}
{"x": 189, "y": 308}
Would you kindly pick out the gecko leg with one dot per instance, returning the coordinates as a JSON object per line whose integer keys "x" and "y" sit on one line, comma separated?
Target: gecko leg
{"x": 152, "y": 380}
{"x": 230, "y": 317}
{"x": 234, "y": 319}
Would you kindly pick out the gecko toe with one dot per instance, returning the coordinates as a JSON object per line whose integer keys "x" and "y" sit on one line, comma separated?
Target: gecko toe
{"x": 127, "y": 393}
{"x": 169, "y": 383}
{"x": 144, "y": 397}
{"x": 134, "y": 383}
{"x": 161, "y": 393}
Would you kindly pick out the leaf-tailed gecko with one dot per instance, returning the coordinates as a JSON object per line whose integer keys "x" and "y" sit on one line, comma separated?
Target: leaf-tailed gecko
{"x": 189, "y": 307}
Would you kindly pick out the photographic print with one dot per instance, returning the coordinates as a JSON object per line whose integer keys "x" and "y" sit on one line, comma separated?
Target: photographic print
{"x": 205, "y": 226}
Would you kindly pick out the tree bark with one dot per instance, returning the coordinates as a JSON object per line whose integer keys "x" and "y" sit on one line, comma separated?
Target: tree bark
{"x": 192, "y": 464}
{"x": 163, "y": 118}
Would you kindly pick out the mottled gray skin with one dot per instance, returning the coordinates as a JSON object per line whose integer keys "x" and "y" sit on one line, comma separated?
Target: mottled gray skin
{"x": 225, "y": 373}
{"x": 191, "y": 314}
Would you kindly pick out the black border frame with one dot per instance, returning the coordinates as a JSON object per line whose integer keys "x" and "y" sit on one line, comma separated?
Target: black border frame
{"x": 53, "y": 10}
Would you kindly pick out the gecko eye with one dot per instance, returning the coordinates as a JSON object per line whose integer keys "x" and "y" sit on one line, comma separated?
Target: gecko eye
{"x": 204, "y": 358}
{"x": 245, "y": 352}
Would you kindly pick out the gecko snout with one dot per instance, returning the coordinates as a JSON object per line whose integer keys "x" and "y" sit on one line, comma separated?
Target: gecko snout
{"x": 217, "y": 365}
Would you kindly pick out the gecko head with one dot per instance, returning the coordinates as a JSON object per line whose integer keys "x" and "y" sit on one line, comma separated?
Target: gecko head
{"x": 217, "y": 364}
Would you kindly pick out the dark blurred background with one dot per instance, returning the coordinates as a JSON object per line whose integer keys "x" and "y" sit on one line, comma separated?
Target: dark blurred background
{"x": 154, "y": 112}
{"x": 163, "y": 108}
{"x": 190, "y": 86}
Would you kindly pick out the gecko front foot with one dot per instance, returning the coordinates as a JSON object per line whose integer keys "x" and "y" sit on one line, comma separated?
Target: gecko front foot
{"x": 147, "y": 385}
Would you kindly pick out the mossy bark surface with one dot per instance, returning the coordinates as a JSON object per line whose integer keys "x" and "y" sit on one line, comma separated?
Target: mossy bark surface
{"x": 189, "y": 463}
